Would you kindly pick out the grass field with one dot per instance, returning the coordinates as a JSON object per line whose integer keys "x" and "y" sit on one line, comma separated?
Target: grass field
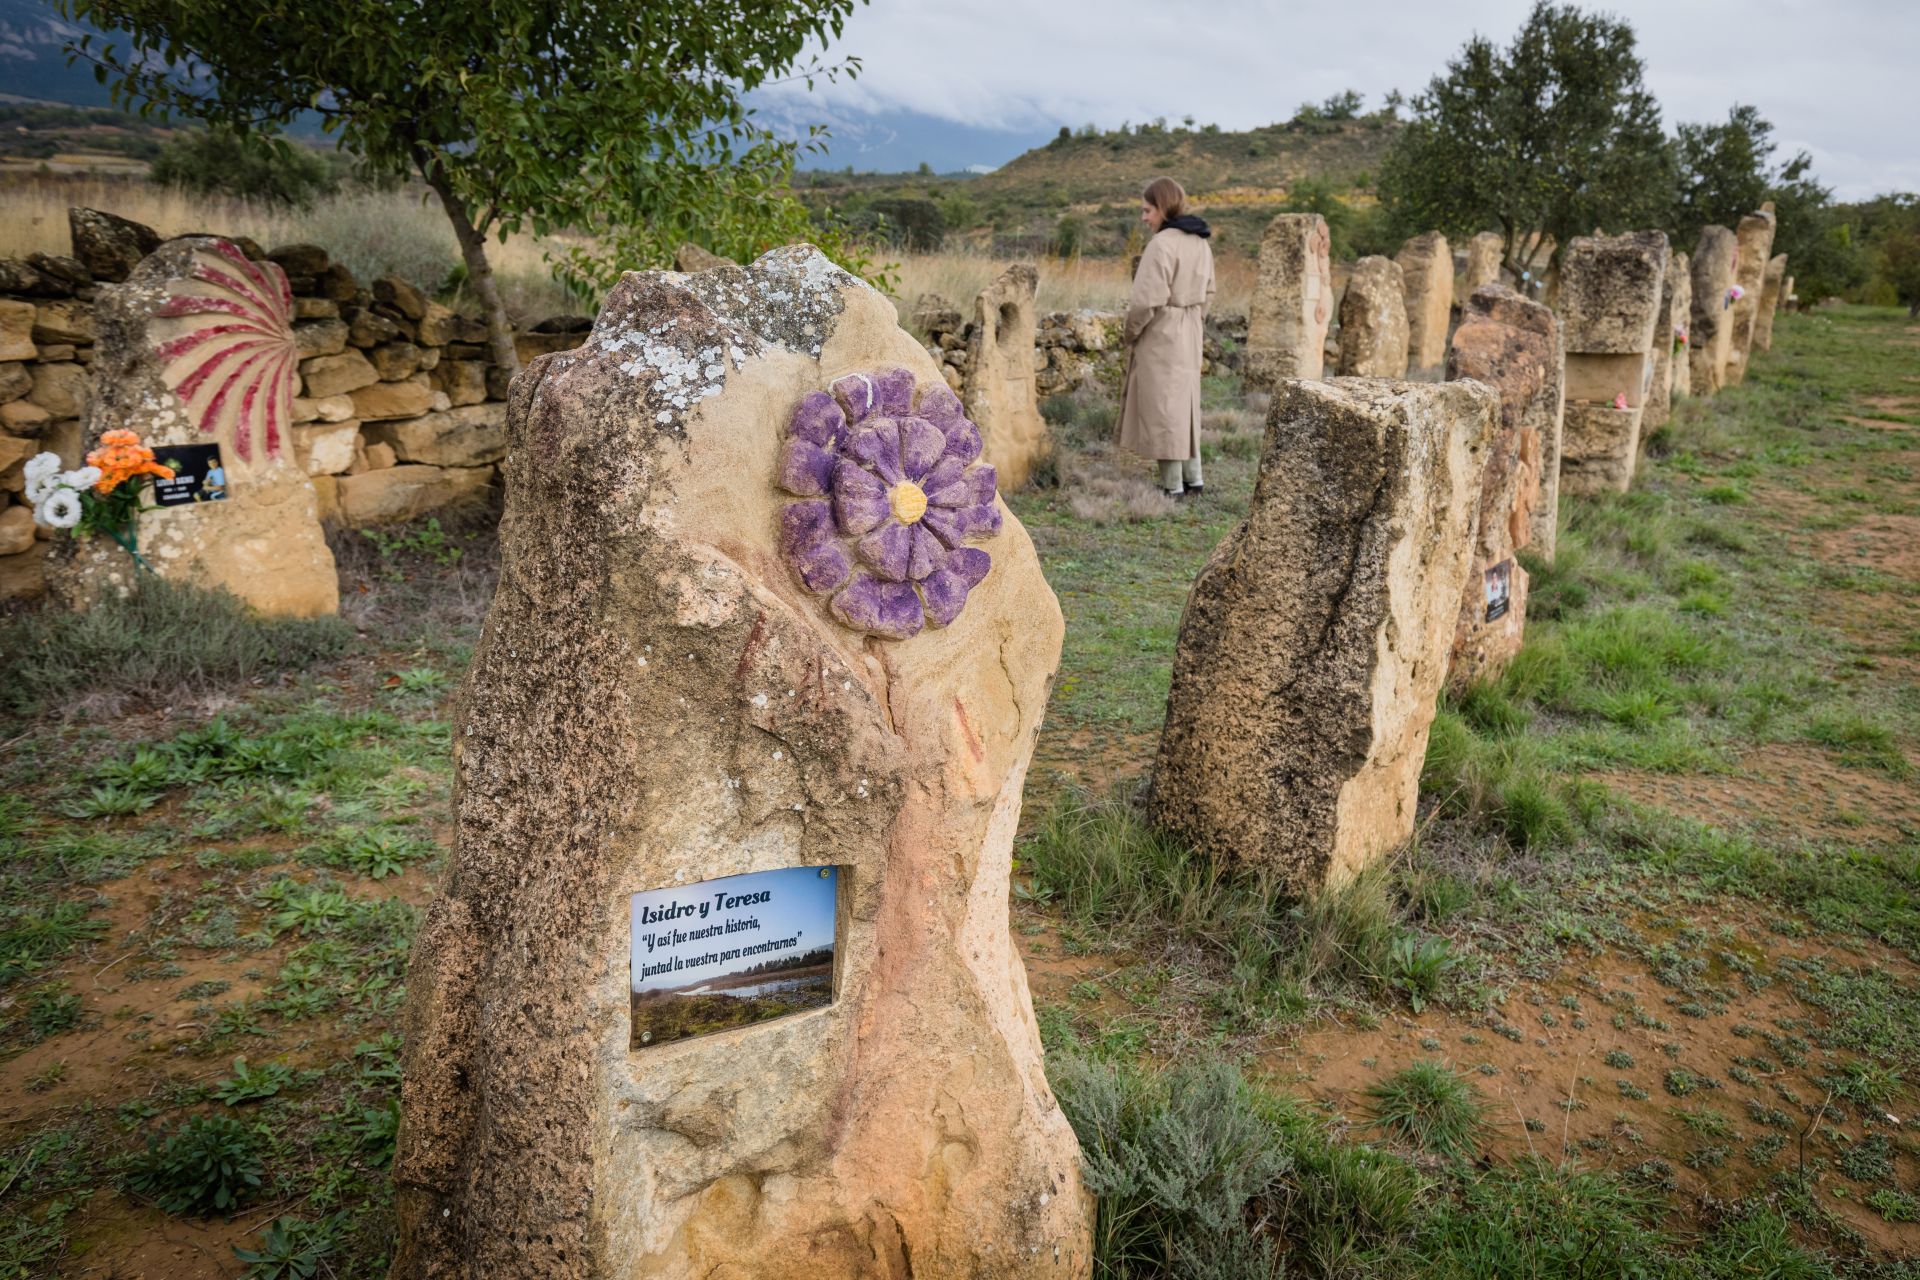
{"x": 1643, "y": 997}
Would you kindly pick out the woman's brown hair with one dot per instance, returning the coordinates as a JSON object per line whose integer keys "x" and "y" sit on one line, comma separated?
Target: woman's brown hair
{"x": 1166, "y": 195}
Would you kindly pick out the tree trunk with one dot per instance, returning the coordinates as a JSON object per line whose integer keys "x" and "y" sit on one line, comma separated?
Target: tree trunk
{"x": 473, "y": 251}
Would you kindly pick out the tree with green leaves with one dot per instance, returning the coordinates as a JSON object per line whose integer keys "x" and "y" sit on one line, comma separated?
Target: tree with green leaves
{"x": 1546, "y": 139}
{"x": 224, "y": 161}
{"x": 1722, "y": 172}
{"x": 540, "y": 115}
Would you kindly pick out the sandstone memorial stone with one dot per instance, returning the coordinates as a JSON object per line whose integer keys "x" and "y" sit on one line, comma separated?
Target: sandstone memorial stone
{"x": 1710, "y": 334}
{"x": 1680, "y": 365}
{"x": 1426, "y": 271}
{"x": 1315, "y": 639}
{"x": 1292, "y": 302}
{"x": 1513, "y": 346}
{"x": 1675, "y": 294}
{"x": 748, "y": 509}
{"x": 1373, "y": 322}
{"x": 1770, "y": 293}
{"x": 1610, "y": 291}
{"x": 1484, "y": 254}
{"x": 196, "y": 348}
{"x": 1755, "y": 238}
{"x": 999, "y": 391}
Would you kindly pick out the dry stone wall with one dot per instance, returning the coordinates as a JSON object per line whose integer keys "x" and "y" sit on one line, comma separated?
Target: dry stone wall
{"x": 383, "y": 379}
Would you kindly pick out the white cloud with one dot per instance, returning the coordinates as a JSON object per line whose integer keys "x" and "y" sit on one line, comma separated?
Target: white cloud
{"x": 1834, "y": 76}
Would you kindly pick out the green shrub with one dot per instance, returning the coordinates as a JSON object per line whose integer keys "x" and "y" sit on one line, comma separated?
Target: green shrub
{"x": 164, "y": 640}
{"x": 220, "y": 161}
{"x": 210, "y": 1164}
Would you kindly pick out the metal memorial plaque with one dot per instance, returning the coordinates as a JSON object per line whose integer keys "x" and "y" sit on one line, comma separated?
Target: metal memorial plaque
{"x": 1499, "y": 585}
{"x": 730, "y": 952}
{"x": 198, "y": 475}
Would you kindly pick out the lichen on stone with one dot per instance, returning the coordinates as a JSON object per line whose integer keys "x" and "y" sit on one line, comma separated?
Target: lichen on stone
{"x": 891, "y": 490}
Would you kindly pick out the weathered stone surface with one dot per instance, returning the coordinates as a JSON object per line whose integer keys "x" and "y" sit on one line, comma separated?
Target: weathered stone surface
{"x": 1610, "y": 293}
{"x": 408, "y": 398}
{"x": 1769, "y": 302}
{"x": 1484, "y": 255}
{"x": 530, "y": 346}
{"x": 401, "y": 296}
{"x": 1426, "y": 274}
{"x": 15, "y": 381}
{"x": 934, "y": 314}
{"x": 438, "y": 326}
{"x": 70, "y": 272}
{"x": 326, "y": 448}
{"x": 403, "y": 492}
{"x": 170, "y": 321}
{"x": 691, "y": 257}
{"x": 336, "y": 283}
{"x": 320, "y": 337}
{"x": 1754, "y": 237}
{"x": 315, "y": 309}
{"x": 23, "y": 417}
{"x": 374, "y": 456}
{"x": 1710, "y": 337}
{"x": 110, "y": 246}
{"x": 15, "y": 450}
{"x": 395, "y": 361}
{"x": 905, "y": 1128}
{"x": 16, "y": 530}
{"x": 16, "y": 330}
{"x": 998, "y": 388}
{"x": 1675, "y": 295}
{"x": 368, "y": 328}
{"x": 469, "y": 437}
{"x": 24, "y": 576}
{"x": 1680, "y": 365}
{"x": 1373, "y": 322}
{"x": 301, "y": 259}
{"x": 338, "y": 375}
{"x": 60, "y": 389}
{"x": 1610, "y": 288}
{"x": 1315, "y": 640}
{"x": 1513, "y": 346}
{"x": 63, "y": 320}
{"x": 464, "y": 381}
{"x": 1292, "y": 302}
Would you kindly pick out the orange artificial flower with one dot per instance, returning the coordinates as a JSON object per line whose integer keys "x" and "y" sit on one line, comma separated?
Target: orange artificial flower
{"x": 120, "y": 458}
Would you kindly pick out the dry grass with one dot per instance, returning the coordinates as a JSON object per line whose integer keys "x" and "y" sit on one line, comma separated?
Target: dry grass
{"x": 1066, "y": 284}
{"x": 374, "y": 232}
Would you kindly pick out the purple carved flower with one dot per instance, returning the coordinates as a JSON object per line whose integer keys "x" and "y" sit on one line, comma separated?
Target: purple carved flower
{"x": 891, "y": 491}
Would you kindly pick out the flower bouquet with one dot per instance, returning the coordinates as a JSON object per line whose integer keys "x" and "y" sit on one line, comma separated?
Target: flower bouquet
{"x": 1679, "y": 339}
{"x": 1734, "y": 294}
{"x": 105, "y": 496}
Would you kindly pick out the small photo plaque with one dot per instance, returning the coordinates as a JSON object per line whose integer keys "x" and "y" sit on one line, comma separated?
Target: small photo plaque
{"x": 1499, "y": 590}
{"x": 730, "y": 952}
{"x": 198, "y": 475}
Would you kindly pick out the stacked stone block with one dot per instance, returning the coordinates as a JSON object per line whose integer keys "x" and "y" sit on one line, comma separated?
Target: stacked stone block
{"x": 1610, "y": 293}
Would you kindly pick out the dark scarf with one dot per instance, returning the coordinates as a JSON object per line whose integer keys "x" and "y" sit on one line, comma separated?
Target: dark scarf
{"x": 1188, "y": 223}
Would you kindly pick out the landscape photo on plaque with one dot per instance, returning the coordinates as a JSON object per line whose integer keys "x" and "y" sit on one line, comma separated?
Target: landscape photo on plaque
{"x": 733, "y": 951}
{"x": 1499, "y": 590}
{"x": 198, "y": 475}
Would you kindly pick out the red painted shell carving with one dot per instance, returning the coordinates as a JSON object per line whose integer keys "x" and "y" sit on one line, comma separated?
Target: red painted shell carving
{"x": 233, "y": 361}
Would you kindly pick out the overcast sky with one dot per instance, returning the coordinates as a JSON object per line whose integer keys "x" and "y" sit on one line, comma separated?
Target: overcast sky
{"x": 1836, "y": 77}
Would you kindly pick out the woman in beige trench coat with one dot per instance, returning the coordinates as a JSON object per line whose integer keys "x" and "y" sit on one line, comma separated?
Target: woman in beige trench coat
{"x": 1160, "y": 417}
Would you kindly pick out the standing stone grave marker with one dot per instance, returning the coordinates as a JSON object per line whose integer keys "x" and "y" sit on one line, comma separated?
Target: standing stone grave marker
{"x": 1610, "y": 291}
{"x": 1755, "y": 238}
{"x": 760, "y": 615}
{"x": 1292, "y": 302}
{"x": 1426, "y": 269}
{"x": 1710, "y": 334}
{"x": 1770, "y": 292}
{"x": 1513, "y": 346}
{"x": 196, "y": 351}
{"x": 1373, "y": 321}
{"x": 1484, "y": 254}
{"x": 999, "y": 392}
{"x": 1680, "y": 313}
{"x": 1315, "y": 639}
{"x": 1671, "y": 322}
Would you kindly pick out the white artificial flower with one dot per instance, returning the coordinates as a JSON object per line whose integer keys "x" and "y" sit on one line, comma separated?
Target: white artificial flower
{"x": 42, "y": 471}
{"x": 83, "y": 479}
{"x": 59, "y": 509}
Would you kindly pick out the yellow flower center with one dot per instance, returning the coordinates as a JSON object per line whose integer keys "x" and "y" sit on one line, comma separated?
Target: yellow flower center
{"x": 909, "y": 501}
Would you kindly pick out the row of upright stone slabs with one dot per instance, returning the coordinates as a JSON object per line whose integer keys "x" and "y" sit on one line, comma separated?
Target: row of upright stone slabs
{"x": 1426, "y": 270}
{"x": 1670, "y": 377}
{"x": 760, "y": 615}
{"x": 1610, "y": 292}
{"x": 1754, "y": 236}
{"x": 196, "y": 355}
{"x": 1710, "y": 340}
{"x": 1316, "y": 638}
